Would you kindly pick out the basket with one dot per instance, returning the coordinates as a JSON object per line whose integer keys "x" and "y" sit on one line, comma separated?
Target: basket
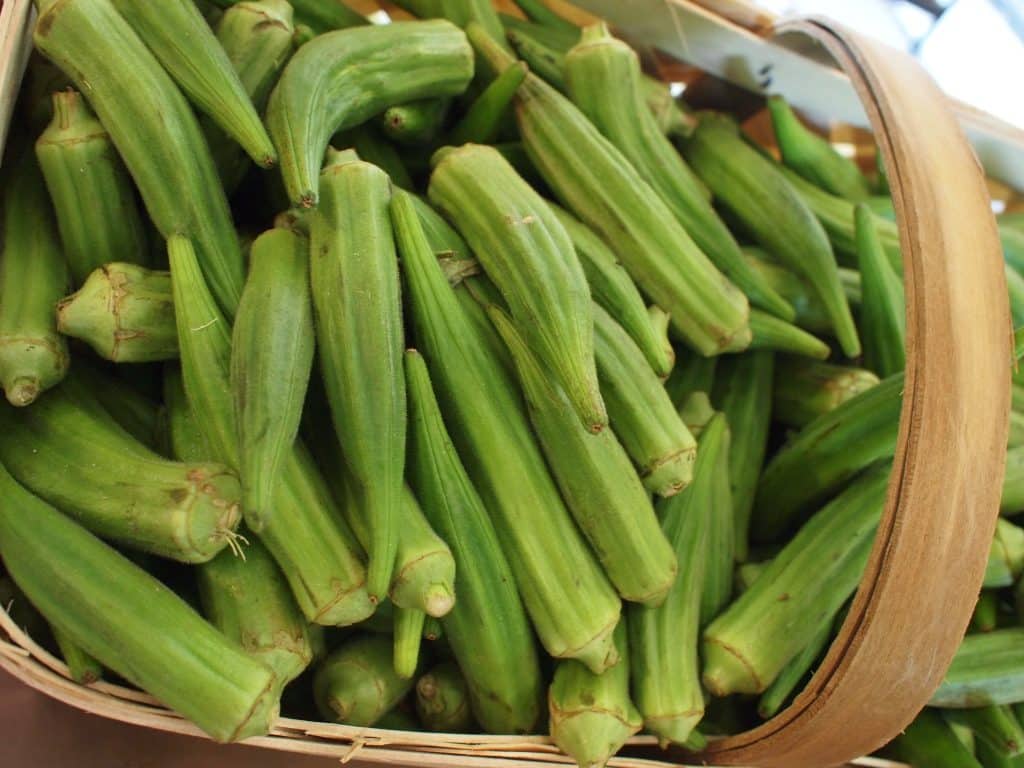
{"x": 923, "y": 576}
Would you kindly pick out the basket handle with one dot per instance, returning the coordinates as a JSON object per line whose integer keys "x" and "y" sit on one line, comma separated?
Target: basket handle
{"x": 925, "y": 570}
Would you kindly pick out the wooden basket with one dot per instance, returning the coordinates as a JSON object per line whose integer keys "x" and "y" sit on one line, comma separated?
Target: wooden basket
{"x": 920, "y": 585}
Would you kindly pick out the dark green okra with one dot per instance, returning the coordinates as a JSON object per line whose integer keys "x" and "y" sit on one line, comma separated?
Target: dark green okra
{"x": 416, "y": 123}
{"x": 442, "y": 700}
{"x": 692, "y": 373}
{"x": 806, "y": 389}
{"x": 92, "y": 194}
{"x": 1006, "y": 556}
{"x": 930, "y": 740}
{"x": 751, "y": 187}
{"x": 771, "y": 333}
{"x": 133, "y": 411}
{"x": 487, "y": 629}
{"x": 124, "y": 312}
{"x": 573, "y": 606}
{"x": 796, "y": 669}
{"x": 591, "y": 716}
{"x": 357, "y": 684}
{"x": 640, "y": 411}
{"x": 341, "y": 79}
{"x": 482, "y": 122}
{"x": 130, "y": 622}
{"x": 988, "y": 670}
{"x": 529, "y": 256}
{"x": 825, "y": 454}
{"x": 801, "y": 591}
{"x": 995, "y": 725}
{"x": 883, "y": 313}
{"x": 373, "y": 148}
{"x": 408, "y": 635}
{"x": 986, "y": 612}
{"x": 603, "y": 76}
{"x": 82, "y": 667}
{"x": 357, "y": 304}
{"x": 271, "y": 362}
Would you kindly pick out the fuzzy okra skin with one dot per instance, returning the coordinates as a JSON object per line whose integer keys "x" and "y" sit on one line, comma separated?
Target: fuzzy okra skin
{"x": 664, "y": 640}
{"x": 271, "y": 362}
{"x": 573, "y": 606}
{"x": 803, "y": 588}
{"x": 487, "y": 628}
{"x": 592, "y": 716}
{"x": 529, "y": 256}
{"x": 883, "y": 312}
{"x": 597, "y": 182}
{"x": 90, "y": 188}
{"x": 988, "y": 669}
{"x": 770, "y": 332}
{"x": 358, "y": 312}
{"x": 754, "y": 189}
{"x": 603, "y": 76}
{"x": 33, "y": 277}
{"x": 153, "y": 128}
{"x": 442, "y": 700}
{"x": 824, "y": 455}
{"x": 125, "y": 312}
{"x": 341, "y": 79}
{"x": 613, "y": 288}
{"x": 806, "y": 389}
{"x": 640, "y": 411}
{"x": 598, "y": 481}
{"x": 130, "y": 622}
{"x": 357, "y": 684}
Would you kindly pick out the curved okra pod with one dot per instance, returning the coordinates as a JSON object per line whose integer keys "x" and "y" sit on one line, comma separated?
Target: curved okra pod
{"x": 442, "y": 700}
{"x": 130, "y": 622}
{"x": 357, "y": 684}
{"x": 33, "y": 277}
{"x": 357, "y": 305}
{"x": 603, "y": 76}
{"x": 806, "y": 389}
{"x": 752, "y": 188}
{"x": 91, "y": 191}
{"x": 124, "y": 312}
{"x": 771, "y": 333}
{"x": 271, "y": 362}
{"x": 883, "y": 308}
{"x": 530, "y": 258}
{"x": 416, "y": 123}
{"x": 598, "y": 481}
{"x": 142, "y": 108}
{"x": 341, "y": 79}
{"x": 482, "y": 122}
{"x": 573, "y": 607}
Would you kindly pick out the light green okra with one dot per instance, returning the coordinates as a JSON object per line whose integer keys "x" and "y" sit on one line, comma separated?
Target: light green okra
{"x": 442, "y": 700}
{"x": 357, "y": 684}
{"x": 806, "y": 389}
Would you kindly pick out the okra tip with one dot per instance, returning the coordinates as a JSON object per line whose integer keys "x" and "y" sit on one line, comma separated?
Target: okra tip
{"x": 677, "y": 728}
{"x": 438, "y": 601}
{"x": 22, "y": 391}
{"x": 590, "y": 737}
{"x": 671, "y": 474}
{"x": 727, "y": 671}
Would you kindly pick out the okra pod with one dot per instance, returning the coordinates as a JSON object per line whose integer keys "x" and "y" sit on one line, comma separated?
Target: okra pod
{"x": 416, "y": 123}
{"x": 133, "y": 411}
{"x": 482, "y": 12}
{"x": 791, "y": 675}
{"x": 591, "y": 716}
{"x": 371, "y": 147}
{"x": 771, "y": 333}
{"x": 1006, "y": 556}
{"x": 692, "y": 373}
{"x": 721, "y": 535}
{"x": 33, "y": 277}
{"x": 125, "y": 312}
{"x": 930, "y": 740}
{"x": 482, "y": 122}
{"x": 271, "y": 362}
{"x": 1016, "y": 436}
{"x": 408, "y": 634}
{"x": 986, "y": 612}
{"x": 987, "y": 670}
{"x": 640, "y": 411}
{"x": 573, "y": 607}
{"x": 92, "y": 194}
{"x": 82, "y": 667}
{"x": 598, "y": 482}
{"x": 603, "y": 77}
{"x": 540, "y": 13}
{"x": 358, "y": 311}
{"x": 487, "y": 629}
{"x": 341, "y": 79}
{"x": 751, "y": 187}
{"x": 806, "y": 389}
{"x": 1013, "y": 482}
{"x": 813, "y": 157}
{"x": 130, "y": 622}
{"x": 996, "y": 725}
{"x": 442, "y": 700}
{"x": 696, "y": 412}
{"x": 883, "y": 313}
{"x": 748, "y": 645}
{"x": 142, "y": 109}
{"x": 824, "y": 455}
{"x": 357, "y": 684}
{"x": 529, "y": 256}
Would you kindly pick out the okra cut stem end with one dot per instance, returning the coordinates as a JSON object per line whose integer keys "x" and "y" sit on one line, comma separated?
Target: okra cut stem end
{"x": 576, "y": 734}
{"x": 676, "y": 728}
{"x": 22, "y": 391}
{"x": 438, "y": 601}
{"x": 671, "y": 474}
{"x": 600, "y": 653}
{"x": 726, "y": 671}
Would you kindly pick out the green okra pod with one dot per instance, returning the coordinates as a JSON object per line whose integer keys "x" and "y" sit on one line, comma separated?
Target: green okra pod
{"x": 1006, "y": 556}
{"x": 813, "y": 157}
{"x": 487, "y": 629}
{"x": 540, "y": 13}
{"x": 482, "y": 12}
{"x": 996, "y": 725}
{"x": 92, "y": 194}
{"x": 771, "y": 333}
{"x": 271, "y": 362}
{"x": 591, "y": 716}
{"x": 133, "y": 411}
{"x": 613, "y": 288}
{"x": 357, "y": 684}
{"x": 598, "y": 481}
{"x": 543, "y": 59}
{"x": 930, "y": 740}
{"x": 693, "y": 373}
{"x": 358, "y": 311}
{"x": 442, "y": 700}
{"x": 661, "y": 322}
{"x": 326, "y": 15}
{"x": 782, "y": 688}
{"x": 825, "y": 454}
{"x": 1013, "y": 482}
{"x": 432, "y": 628}
{"x": 529, "y": 256}
{"x": 986, "y": 612}
{"x": 746, "y": 647}
{"x": 33, "y": 277}
{"x": 1016, "y": 436}
{"x": 806, "y": 389}
{"x": 371, "y": 147}
{"x": 751, "y": 187}
{"x": 696, "y": 412}
{"x": 341, "y": 79}
{"x": 883, "y": 313}
{"x": 482, "y": 122}
{"x": 640, "y": 411}
{"x": 416, "y": 123}
{"x": 987, "y": 670}
{"x": 721, "y": 534}
{"x": 130, "y": 622}
{"x": 82, "y": 667}
{"x": 408, "y": 634}
{"x": 573, "y": 607}
{"x": 142, "y": 108}
{"x": 604, "y": 80}
{"x": 125, "y": 312}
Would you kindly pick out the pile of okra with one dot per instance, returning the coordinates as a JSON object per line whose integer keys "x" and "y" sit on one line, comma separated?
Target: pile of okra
{"x": 448, "y": 374}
